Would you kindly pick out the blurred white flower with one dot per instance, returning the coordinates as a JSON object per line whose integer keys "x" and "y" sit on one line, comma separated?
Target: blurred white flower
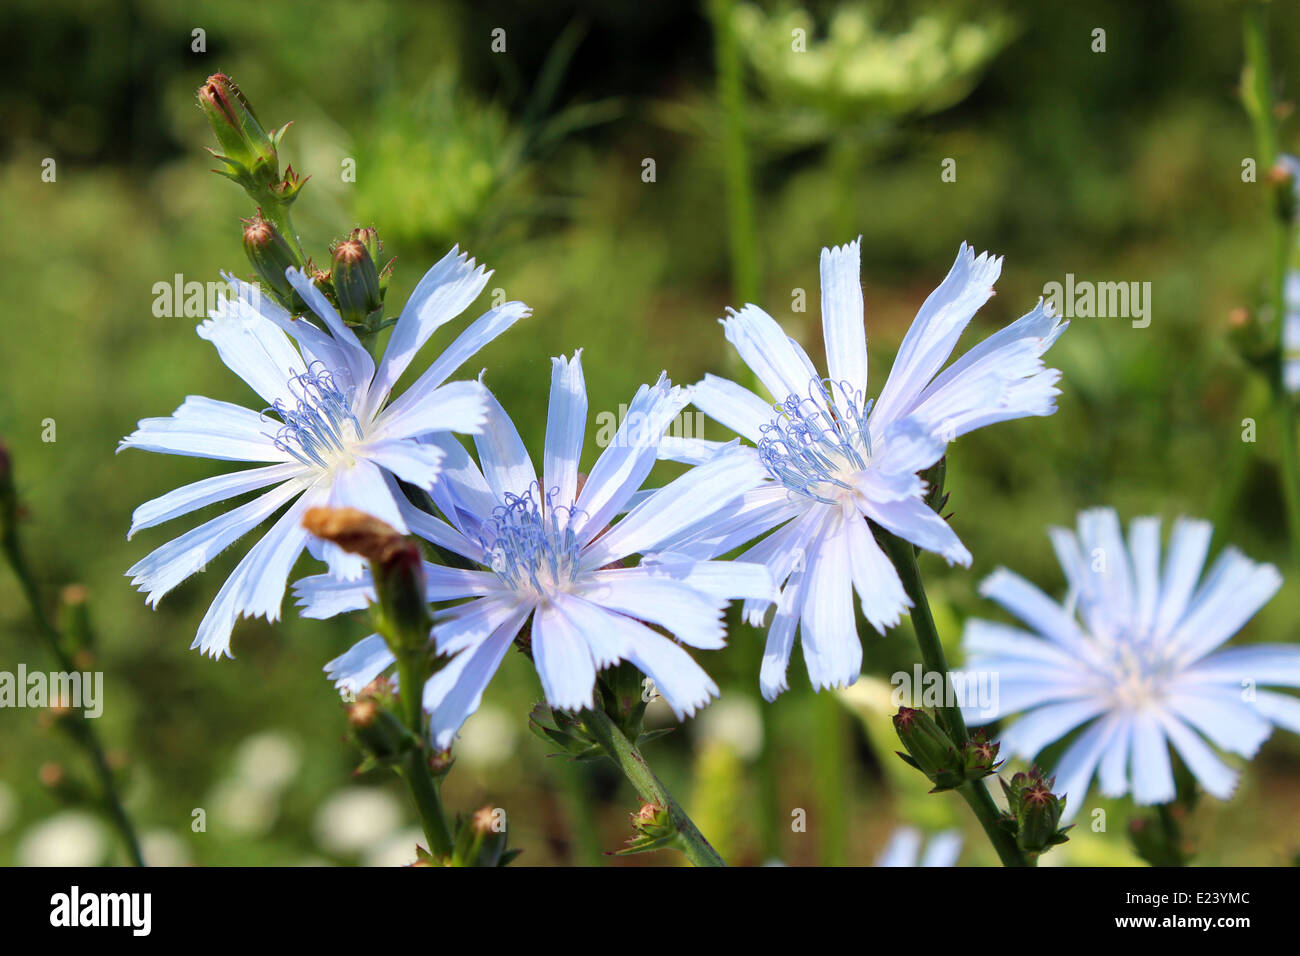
{"x": 243, "y": 807}
{"x": 488, "y": 739}
{"x": 735, "y": 721}
{"x": 268, "y": 760}
{"x": 356, "y": 819}
{"x": 395, "y": 850}
{"x": 164, "y": 848}
{"x": 72, "y": 838}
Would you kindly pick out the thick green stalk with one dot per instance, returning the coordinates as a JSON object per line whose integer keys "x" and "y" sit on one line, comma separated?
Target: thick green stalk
{"x": 415, "y": 766}
{"x": 742, "y": 233}
{"x": 625, "y": 754}
{"x": 975, "y": 793}
{"x": 1257, "y": 97}
{"x": 84, "y": 734}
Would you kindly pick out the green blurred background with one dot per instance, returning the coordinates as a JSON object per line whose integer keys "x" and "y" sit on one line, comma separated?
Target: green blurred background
{"x": 1115, "y": 166}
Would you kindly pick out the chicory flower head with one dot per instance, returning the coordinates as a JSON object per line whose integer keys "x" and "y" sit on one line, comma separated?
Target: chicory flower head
{"x": 326, "y": 431}
{"x": 546, "y": 552}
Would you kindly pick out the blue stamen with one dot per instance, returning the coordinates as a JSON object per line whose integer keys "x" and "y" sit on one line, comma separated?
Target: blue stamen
{"x": 530, "y": 545}
{"x": 817, "y": 439}
{"x": 321, "y": 424}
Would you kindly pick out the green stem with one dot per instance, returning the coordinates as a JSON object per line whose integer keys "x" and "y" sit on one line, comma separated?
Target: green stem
{"x": 625, "y": 754}
{"x": 741, "y": 230}
{"x": 83, "y": 734}
{"x": 1257, "y": 98}
{"x": 415, "y": 767}
{"x": 977, "y": 797}
{"x": 975, "y": 793}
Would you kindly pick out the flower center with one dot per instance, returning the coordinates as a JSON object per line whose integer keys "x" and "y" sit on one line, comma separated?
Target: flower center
{"x": 320, "y": 426}
{"x": 1136, "y": 670}
{"x": 818, "y": 443}
{"x": 530, "y": 545}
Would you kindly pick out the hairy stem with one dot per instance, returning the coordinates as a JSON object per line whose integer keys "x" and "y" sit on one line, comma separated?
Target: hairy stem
{"x": 84, "y": 734}
{"x": 415, "y": 767}
{"x": 629, "y": 760}
{"x": 975, "y": 793}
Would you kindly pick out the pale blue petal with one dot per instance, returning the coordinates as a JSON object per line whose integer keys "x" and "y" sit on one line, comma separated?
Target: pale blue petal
{"x": 255, "y": 349}
{"x": 482, "y": 331}
{"x": 915, "y": 521}
{"x": 206, "y": 428}
{"x": 456, "y": 691}
{"x": 832, "y": 649}
{"x": 470, "y": 623}
{"x": 1075, "y": 770}
{"x": 689, "y": 615}
{"x": 411, "y": 461}
{"x": 1221, "y": 714}
{"x": 733, "y": 406}
{"x": 624, "y": 465}
{"x": 501, "y": 451}
{"x": 877, "y": 583}
{"x": 454, "y": 407}
{"x": 1153, "y": 776}
{"x": 1189, "y": 543}
{"x": 163, "y": 569}
{"x": 1235, "y": 589}
{"x": 1215, "y": 777}
{"x": 933, "y": 334}
{"x": 359, "y": 365}
{"x": 843, "y": 315}
{"x": 187, "y": 498}
{"x": 563, "y": 661}
{"x": 779, "y": 362}
{"x": 1048, "y": 724}
{"x": 694, "y": 499}
{"x": 780, "y": 638}
{"x": 365, "y": 660}
{"x": 446, "y": 291}
{"x": 566, "y": 424}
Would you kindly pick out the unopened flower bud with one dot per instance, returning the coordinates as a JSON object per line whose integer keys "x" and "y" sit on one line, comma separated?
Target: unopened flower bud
{"x": 356, "y": 281}
{"x": 980, "y": 756}
{"x": 481, "y": 840}
{"x": 270, "y": 254}
{"x": 378, "y": 732}
{"x": 929, "y": 749}
{"x": 242, "y": 138}
{"x": 395, "y": 565}
{"x": 1036, "y": 811}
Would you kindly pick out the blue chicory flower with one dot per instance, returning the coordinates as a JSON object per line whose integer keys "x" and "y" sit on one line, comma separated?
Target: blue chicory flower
{"x": 327, "y": 432}
{"x": 1133, "y": 658}
{"x": 834, "y": 458}
{"x": 546, "y": 552}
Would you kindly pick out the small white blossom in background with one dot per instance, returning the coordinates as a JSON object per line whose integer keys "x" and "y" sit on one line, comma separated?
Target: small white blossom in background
{"x": 71, "y": 838}
{"x": 164, "y": 848}
{"x": 397, "y": 849}
{"x": 352, "y": 821}
{"x": 488, "y": 739}
{"x": 735, "y": 721}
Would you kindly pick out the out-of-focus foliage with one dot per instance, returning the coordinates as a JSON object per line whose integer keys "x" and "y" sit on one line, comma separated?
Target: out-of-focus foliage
{"x": 1116, "y": 166}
